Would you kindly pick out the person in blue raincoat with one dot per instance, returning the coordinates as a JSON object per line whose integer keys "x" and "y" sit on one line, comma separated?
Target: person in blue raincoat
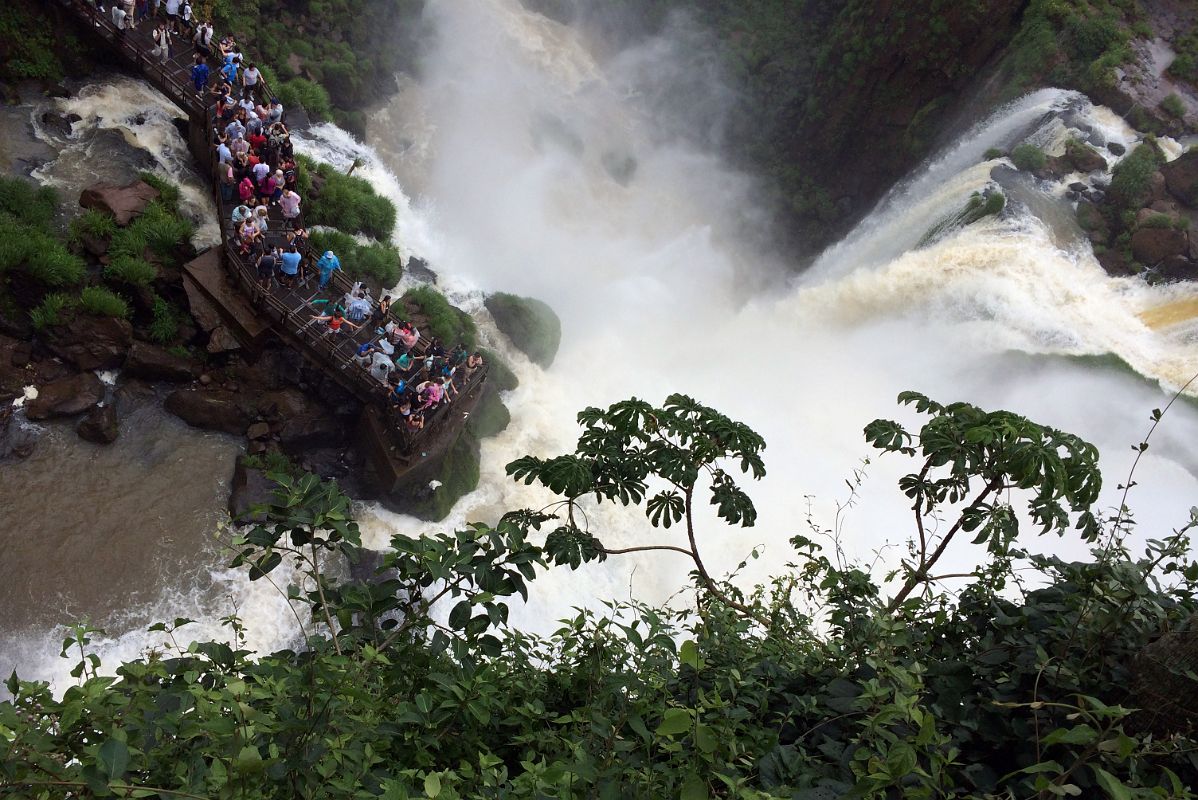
{"x": 328, "y": 264}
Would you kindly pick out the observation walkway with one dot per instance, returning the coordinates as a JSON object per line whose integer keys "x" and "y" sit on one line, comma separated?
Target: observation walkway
{"x": 229, "y": 279}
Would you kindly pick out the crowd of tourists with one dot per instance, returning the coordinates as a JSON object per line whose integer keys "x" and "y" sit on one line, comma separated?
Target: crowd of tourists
{"x": 256, "y": 172}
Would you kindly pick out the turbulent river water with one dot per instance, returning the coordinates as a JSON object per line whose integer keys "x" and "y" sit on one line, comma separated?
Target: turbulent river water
{"x": 521, "y": 162}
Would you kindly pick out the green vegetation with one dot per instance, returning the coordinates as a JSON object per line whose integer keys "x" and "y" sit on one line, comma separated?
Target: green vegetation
{"x": 1185, "y": 65}
{"x": 1015, "y": 679}
{"x": 93, "y": 223}
{"x": 158, "y": 229}
{"x": 449, "y": 324}
{"x": 1131, "y": 179}
{"x": 979, "y": 206}
{"x": 169, "y": 195}
{"x": 273, "y": 461}
{"x": 164, "y": 324}
{"x": 102, "y": 302}
{"x": 31, "y": 46}
{"x": 27, "y": 203}
{"x": 993, "y": 153}
{"x": 134, "y": 271}
{"x": 344, "y": 201}
{"x": 1173, "y": 106}
{"x": 330, "y": 76}
{"x": 1028, "y": 158}
{"x": 51, "y": 310}
{"x": 372, "y": 262}
{"x": 1157, "y": 221}
{"x": 311, "y": 96}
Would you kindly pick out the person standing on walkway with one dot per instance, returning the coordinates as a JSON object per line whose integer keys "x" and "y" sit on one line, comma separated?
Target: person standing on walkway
{"x": 249, "y": 82}
{"x": 328, "y": 264}
{"x": 229, "y": 70}
{"x": 118, "y": 16}
{"x": 203, "y": 39}
{"x": 130, "y": 13}
{"x": 162, "y": 42}
{"x": 199, "y": 75}
{"x": 289, "y": 201}
{"x": 172, "y": 15}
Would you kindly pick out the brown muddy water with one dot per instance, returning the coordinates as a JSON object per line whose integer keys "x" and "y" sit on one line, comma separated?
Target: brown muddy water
{"x": 93, "y": 531}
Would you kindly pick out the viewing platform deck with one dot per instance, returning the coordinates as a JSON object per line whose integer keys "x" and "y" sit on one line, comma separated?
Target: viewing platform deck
{"x": 228, "y": 279}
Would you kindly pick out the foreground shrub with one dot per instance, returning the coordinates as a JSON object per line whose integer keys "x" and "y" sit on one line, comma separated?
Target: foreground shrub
{"x": 164, "y": 326}
{"x": 169, "y": 194}
{"x": 1131, "y": 179}
{"x": 28, "y": 203}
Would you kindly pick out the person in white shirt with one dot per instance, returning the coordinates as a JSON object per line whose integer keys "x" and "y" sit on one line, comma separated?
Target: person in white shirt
{"x": 118, "y": 17}
{"x": 249, "y": 80}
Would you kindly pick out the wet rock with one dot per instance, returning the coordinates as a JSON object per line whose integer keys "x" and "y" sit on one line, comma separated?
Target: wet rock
{"x": 91, "y": 342}
{"x": 152, "y": 363}
{"x": 66, "y": 397}
{"x": 1114, "y": 262}
{"x": 1092, "y": 222}
{"x": 1116, "y": 148}
{"x": 99, "y": 426}
{"x": 202, "y": 309}
{"x": 220, "y": 340}
{"x": 210, "y": 410}
{"x": 1177, "y": 268}
{"x": 1151, "y": 246}
{"x": 16, "y": 439}
{"x": 312, "y": 429}
{"x": 1157, "y": 187}
{"x": 59, "y": 123}
{"x": 1181, "y": 178}
{"x": 418, "y": 268}
{"x": 1077, "y": 186}
{"x": 205, "y": 379}
{"x": 1083, "y": 157}
{"x": 123, "y": 203}
{"x": 259, "y": 430}
{"x": 249, "y": 487}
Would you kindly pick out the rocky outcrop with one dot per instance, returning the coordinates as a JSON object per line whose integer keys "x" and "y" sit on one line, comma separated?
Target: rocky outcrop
{"x": 152, "y": 363}
{"x": 249, "y": 487}
{"x": 91, "y": 342}
{"x": 122, "y": 203}
{"x": 1181, "y": 178}
{"x": 100, "y": 425}
{"x": 1151, "y": 246}
{"x": 532, "y": 325}
{"x": 66, "y": 397}
{"x": 215, "y": 410}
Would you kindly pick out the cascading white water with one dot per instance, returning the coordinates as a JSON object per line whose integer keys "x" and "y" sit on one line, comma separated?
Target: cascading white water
{"x": 660, "y": 290}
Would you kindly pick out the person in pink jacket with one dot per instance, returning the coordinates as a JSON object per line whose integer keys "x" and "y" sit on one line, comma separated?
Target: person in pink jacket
{"x": 289, "y": 201}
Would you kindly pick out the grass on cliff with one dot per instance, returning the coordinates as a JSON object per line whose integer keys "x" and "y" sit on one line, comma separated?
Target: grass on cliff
{"x": 344, "y": 201}
{"x": 442, "y": 320}
{"x": 1185, "y": 66}
{"x": 1131, "y": 180}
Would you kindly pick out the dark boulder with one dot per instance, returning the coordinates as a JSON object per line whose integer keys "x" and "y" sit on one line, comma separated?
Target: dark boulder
{"x": 1116, "y": 148}
{"x": 259, "y": 430}
{"x": 16, "y": 440}
{"x": 66, "y": 397}
{"x": 1177, "y": 268}
{"x": 1181, "y": 178}
{"x": 1092, "y": 222}
{"x": 1114, "y": 262}
{"x": 1151, "y": 246}
{"x": 152, "y": 363}
{"x": 211, "y": 410}
{"x": 122, "y": 203}
{"x": 100, "y": 425}
{"x": 1083, "y": 157}
{"x": 249, "y": 487}
{"x": 91, "y": 342}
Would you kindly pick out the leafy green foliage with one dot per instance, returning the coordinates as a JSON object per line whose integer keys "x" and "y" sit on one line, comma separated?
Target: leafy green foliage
{"x": 410, "y": 684}
{"x": 345, "y": 201}
{"x": 312, "y": 97}
{"x": 51, "y": 311}
{"x": 1131, "y": 179}
{"x": 31, "y": 47}
{"x": 1185, "y": 65}
{"x": 373, "y": 262}
{"x": 449, "y": 324}
{"x": 103, "y": 302}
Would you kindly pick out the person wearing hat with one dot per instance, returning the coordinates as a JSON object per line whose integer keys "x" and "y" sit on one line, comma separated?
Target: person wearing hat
{"x": 328, "y": 264}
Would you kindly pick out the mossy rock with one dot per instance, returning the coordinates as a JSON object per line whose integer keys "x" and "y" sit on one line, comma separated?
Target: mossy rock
{"x": 499, "y": 374}
{"x": 457, "y": 476}
{"x": 532, "y": 325}
{"x": 490, "y": 416}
